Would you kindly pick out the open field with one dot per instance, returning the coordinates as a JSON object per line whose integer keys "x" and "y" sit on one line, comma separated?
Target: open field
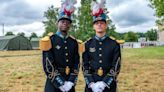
{"x": 142, "y": 71}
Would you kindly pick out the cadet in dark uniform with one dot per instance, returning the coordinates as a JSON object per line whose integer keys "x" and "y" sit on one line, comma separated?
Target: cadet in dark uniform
{"x": 60, "y": 57}
{"x": 101, "y": 58}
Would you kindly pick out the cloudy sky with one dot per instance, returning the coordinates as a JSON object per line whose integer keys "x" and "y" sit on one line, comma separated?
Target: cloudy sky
{"x": 27, "y": 15}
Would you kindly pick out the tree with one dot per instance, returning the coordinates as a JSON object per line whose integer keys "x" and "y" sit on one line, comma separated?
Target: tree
{"x": 84, "y": 25}
{"x": 158, "y": 5}
{"x": 9, "y": 33}
{"x": 111, "y": 31}
{"x": 33, "y": 35}
{"x": 21, "y": 34}
{"x": 85, "y": 22}
{"x": 151, "y": 35}
{"x": 131, "y": 37}
{"x": 50, "y": 24}
{"x": 139, "y": 34}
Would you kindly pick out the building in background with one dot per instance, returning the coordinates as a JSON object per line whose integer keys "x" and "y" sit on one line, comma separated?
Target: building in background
{"x": 35, "y": 43}
{"x": 161, "y": 33}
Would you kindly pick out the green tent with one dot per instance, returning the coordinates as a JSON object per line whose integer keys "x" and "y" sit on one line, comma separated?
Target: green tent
{"x": 35, "y": 43}
{"x": 14, "y": 43}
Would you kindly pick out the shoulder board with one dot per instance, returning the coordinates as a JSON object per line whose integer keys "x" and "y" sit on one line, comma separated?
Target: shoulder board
{"x": 50, "y": 34}
{"x": 45, "y": 43}
{"x": 79, "y": 41}
{"x": 111, "y": 37}
{"x": 120, "y": 41}
{"x": 88, "y": 40}
{"x": 72, "y": 37}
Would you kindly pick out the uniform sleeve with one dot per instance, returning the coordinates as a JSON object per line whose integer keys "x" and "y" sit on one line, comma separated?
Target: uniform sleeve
{"x": 116, "y": 65}
{"x": 86, "y": 67}
{"x": 74, "y": 73}
{"x": 50, "y": 70}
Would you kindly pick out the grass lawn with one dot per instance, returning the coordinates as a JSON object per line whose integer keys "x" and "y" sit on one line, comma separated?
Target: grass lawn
{"x": 142, "y": 71}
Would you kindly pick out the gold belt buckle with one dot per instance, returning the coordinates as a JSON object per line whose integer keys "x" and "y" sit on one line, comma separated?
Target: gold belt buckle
{"x": 67, "y": 70}
{"x": 100, "y": 71}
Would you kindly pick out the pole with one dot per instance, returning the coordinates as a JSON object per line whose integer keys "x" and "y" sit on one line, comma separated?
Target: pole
{"x": 3, "y": 29}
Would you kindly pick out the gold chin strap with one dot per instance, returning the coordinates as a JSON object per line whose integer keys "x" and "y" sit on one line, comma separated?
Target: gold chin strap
{"x": 100, "y": 71}
{"x": 67, "y": 70}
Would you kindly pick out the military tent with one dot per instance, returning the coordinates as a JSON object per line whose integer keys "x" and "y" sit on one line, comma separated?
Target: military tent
{"x": 14, "y": 43}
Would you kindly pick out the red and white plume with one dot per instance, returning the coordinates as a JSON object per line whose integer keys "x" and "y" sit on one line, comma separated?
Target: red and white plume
{"x": 97, "y": 7}
{"x": 68, "y": 6}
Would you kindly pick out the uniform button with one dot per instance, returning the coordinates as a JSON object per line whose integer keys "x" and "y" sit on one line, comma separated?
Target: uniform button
{"x": 100, "y": 48}
{"x": 66, "y": 54}
{"x": 65, "y": 41}
{"x": 67, "y": 60}
{"x": 100, "y": 43}
{"x": 100, "y": 55}
{"x": 100, "y": 61}
{"x": 65, "y": 47}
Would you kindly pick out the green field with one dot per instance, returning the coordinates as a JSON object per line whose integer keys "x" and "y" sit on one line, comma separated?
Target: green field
{"x": 142, "y": 71}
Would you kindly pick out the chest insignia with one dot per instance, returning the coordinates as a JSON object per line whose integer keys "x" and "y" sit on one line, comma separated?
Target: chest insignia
{"x": 57, "y": 47}
{"x": 92, "y": 49}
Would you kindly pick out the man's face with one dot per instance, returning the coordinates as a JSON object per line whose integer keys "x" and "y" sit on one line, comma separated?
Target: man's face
{"x": 100, "y": 26}
{"x": 64, "y": 25}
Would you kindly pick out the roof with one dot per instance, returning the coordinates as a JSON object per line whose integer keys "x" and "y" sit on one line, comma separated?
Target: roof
{"x": 14, "y": 43}
{"x": 35, "y": 39}
{"x": 7, "y": 37}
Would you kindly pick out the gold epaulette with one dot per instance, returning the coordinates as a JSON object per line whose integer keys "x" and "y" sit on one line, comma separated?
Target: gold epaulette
{"x": 81, "y": 46}
{"x": 45, "y": 42}
{"x": 84, "y": 44}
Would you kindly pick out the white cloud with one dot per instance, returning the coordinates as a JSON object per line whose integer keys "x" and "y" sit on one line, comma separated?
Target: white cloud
{"x": 137, "y": 28}
{"x": 36, "y": 27}
{"x": 132, "y": 15}
{"x": 42, "y": 4}
{"x": 27, "y": 15}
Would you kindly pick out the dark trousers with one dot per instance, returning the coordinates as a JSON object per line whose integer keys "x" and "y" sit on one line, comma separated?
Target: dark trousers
{"x": 49, "y": 87}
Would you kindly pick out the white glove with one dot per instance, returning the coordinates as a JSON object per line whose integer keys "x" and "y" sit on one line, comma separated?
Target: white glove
{"x": 98, "y": 90}
{"x": 100, "y": 84}
{"x": 67, "y": 85}
{"x": 62, "y": 88}
{"x": 94, "y": 87}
